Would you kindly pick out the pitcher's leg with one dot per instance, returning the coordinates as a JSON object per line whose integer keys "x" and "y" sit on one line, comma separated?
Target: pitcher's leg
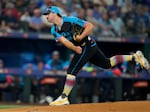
{"x": 76, "y": 64}
{"x": 101, "y": 60}
{"x": 117, "y": 59}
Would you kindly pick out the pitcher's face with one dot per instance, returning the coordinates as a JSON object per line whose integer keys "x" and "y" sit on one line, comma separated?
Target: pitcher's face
{"x": 50, "y": 17}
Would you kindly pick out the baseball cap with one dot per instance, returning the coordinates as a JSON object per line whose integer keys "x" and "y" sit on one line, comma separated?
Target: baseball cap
{"x": 52, "y": 9}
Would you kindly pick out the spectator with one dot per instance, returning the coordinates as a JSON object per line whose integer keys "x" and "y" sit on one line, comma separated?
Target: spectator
{"x": 4, "y": 27}
{"x": 108, "y": 2}
{"x": 93, "y": 20}
{"x": 11, "y": 8}
{"x": 126, "y": 7}
{"x": 117, "y": 24}
{"x": 75, "y": 8}
{"x": 55, "y": 63}
{"x": 40, "y": 65}
{"x": 31, "y": 86}
{"x": 24, "y": 20}
{"x": 25, "y": 17}
{"x": 87, "y": 4}
{"x": 9, "y": 21}
{"x": 81, "y": 13}
{"x": 29, "y": 65}
{"x": 131, "y": 20}
{"x": 106, "y": 27}
{"x": 5, "y": 84}
{"x": 31, "y": 7}
{"x": 36, "y": 24}
{"x": 21, "y": 5}
{"x": 114, "y": 7}
{"x": 141, "y": 20}
{"x": 147, "y": 20}
{"x": 144, "y": 20}
{"x": 0, "y": 9}
{"x": 17, "y": 88}
{"x": 96, "y": 11}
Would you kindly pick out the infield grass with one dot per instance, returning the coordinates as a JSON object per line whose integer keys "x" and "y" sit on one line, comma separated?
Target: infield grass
{"x": 11, "y": 106}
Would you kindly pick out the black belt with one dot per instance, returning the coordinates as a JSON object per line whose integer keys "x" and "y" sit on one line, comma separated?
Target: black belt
{"x": 88, "y": 40}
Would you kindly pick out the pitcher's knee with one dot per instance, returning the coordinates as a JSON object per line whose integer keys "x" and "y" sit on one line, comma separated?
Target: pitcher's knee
{"x": 106, "y": 64}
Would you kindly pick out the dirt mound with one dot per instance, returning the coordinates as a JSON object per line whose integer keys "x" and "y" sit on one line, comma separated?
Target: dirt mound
{"x": 127, "y": 106}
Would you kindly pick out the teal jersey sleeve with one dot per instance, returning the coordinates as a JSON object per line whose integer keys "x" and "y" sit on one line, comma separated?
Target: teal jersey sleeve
{"x": 55, "y": 33}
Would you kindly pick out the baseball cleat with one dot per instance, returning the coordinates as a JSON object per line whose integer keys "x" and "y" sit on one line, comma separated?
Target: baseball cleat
{"x": 60, "y": 101}
{"x": 139, "y": 57}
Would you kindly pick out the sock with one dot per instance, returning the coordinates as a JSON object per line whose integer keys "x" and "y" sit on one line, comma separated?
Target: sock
{"x": 70, "y": 81}
{"x": 120, "y": 59}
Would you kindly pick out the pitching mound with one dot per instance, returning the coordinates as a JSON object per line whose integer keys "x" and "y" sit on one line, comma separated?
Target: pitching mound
{"x": 136, "y": 106}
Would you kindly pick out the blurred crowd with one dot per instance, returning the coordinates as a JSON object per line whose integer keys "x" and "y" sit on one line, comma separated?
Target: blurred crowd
{"x": 110, "y": 17}
{"x": 32, "y": 88}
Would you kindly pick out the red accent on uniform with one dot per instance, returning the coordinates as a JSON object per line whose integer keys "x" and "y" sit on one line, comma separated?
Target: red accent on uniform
{"x": 119, "y": 59}
{"x": 70, "y": 82}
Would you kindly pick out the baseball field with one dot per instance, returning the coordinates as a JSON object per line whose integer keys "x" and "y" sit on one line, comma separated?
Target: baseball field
{"x": 126, "y": 106}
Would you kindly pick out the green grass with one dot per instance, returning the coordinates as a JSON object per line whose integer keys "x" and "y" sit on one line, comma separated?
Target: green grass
{"x": 11, "y": 106}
